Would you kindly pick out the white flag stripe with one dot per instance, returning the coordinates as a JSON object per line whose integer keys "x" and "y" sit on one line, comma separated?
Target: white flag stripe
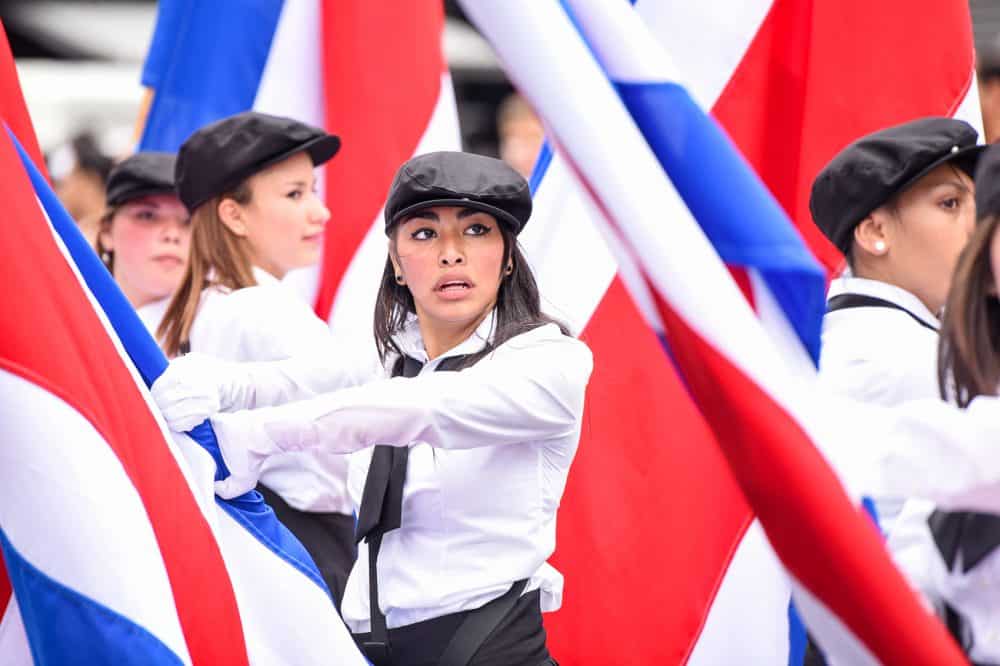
{"x": 53, "y": 459}
{"x": 13, "y": 641}
{"x": 707, "y": 39}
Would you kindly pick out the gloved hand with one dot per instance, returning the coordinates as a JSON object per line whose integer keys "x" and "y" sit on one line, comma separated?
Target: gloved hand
{"x": 245, "y": 446}
{"x": 197, "y": 386}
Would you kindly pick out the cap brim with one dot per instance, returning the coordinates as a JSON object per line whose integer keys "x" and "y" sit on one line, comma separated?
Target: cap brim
{"x": 321, "y": 150}
{"x": 965, "y": 158}
{"x": 499, "y": 213}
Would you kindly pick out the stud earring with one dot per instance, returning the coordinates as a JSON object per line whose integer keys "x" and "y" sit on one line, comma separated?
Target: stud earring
{"x": 399, "y": 279}
{"x": 879, "y": 246}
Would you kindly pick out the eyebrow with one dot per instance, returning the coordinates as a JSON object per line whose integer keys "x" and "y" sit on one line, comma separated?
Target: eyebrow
{"x": 303, "y": 183}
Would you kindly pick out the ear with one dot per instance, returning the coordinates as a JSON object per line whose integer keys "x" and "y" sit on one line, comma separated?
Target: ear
{"x": 872, "y": 234}
{"x": 231, "y": 215}
{"x": 104, "y": 240}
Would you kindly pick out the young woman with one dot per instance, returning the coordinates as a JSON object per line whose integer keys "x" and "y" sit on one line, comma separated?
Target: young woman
{"x": 144, "y": 234}
{"x": 899, "y": 204}
{"x": 477, "y": 428}
{"x": 249, "y": 183}
{"x": 953, "y": 557}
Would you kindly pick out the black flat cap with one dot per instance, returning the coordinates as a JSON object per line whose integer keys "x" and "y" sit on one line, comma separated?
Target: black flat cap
{"x": 869, "y": 172}
{"x": 220, "y": 156}
{"x": 141, "y": 175}
{"x": 459, "y": 179}
{"x": 988, "y": 183}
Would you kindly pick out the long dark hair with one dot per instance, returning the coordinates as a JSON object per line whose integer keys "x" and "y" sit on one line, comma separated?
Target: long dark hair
{"x": 518, "y": 306}
{"x": 969, "y": 349}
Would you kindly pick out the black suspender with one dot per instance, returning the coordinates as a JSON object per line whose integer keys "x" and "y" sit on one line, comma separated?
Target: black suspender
{"x": 848, "y": 301}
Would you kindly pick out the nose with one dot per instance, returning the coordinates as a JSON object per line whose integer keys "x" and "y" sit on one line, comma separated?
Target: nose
{"x": 452, "y": 252}
{"x": 172, "y": 230}
{"x": 319, "y": 214}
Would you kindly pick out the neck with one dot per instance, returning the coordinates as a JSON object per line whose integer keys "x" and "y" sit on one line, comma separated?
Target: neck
{"x": 440, "y": 336}
{"x": 135, "y": 298}
{"x": 882, "y": 273}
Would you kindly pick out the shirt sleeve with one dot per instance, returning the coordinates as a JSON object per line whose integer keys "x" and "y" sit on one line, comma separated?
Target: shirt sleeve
{"x": 291, "y": 354}
{"x": 929, "y": 449}
{"x": 522, "y": 393}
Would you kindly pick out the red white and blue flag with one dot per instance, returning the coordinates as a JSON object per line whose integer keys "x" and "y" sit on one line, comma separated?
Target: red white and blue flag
{"x": 115, "y": 548}
{"x": 675, "y": 199}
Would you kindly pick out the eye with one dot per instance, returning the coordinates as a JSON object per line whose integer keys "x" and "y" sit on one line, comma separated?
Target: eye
{"x": 145, "y": 215}
{"x": 951, "y": 203}
{"x": 478, "y": 229}
{"x": 423, "y": 233}
{"x": 295, "y": 194}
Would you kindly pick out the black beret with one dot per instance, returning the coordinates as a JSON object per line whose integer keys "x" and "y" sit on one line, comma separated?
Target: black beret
{"x": 459, "y": 179}
{"x": 988, "y": 183}
{"x": 221, "y": 155}
{"x": 141, "y": 175}
{"x": 869, "y": 172}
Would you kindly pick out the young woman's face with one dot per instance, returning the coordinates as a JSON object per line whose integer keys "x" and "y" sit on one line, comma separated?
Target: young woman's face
{"x": 934, "y": 220}
{"x": 150, "y": 237}
{"x": 451, "y": 260}
{"x": 285, "y": 218}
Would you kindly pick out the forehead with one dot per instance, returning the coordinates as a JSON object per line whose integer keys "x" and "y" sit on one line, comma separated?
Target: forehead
{"x": 161, "y": 201}
{"x": 943, "y": 174}
{"x": 297, "y": 166}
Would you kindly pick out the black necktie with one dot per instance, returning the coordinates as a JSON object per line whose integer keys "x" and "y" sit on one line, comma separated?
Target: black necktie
{"x": 382, "y": 500}
{"x": 975, "y": 535}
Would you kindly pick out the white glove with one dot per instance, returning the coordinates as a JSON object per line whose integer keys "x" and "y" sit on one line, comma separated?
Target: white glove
{"x": 195, "y": 387}
{"x": 244, "y": 446}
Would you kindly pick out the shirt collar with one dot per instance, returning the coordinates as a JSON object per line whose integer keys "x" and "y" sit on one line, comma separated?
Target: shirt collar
{"x": 412, "y": 344}
{"x": 848, "y": 284}
{"x": 263, "y": 277}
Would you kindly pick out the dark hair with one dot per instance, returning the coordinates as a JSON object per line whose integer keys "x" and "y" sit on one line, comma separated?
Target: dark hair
{"x": 518, "y": 305}
{"x": 217, "y": 257}
{"x": 969, "y": 349}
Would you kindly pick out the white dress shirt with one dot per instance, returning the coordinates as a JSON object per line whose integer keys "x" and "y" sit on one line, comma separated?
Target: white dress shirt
{"x": 879, "y": 355}
{"x": 490, "y": 450}
{"x": 151, "y": 314}
{"x": 268, "y": 322}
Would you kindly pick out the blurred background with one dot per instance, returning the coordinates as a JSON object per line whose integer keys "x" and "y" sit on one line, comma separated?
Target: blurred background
{"x": 80, "y": 60}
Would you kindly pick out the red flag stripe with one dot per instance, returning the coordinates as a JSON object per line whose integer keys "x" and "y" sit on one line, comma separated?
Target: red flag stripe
{"x": 819, "y": 75}
{"x": 79, "y": 363}
{"x": 637, "y": 561}
{"x": 382, "y": 66}
{"x": 12, "y": 107}
{"x": 824, "y": 541}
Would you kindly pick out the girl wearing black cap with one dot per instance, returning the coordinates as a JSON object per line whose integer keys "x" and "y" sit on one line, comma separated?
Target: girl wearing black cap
{"x": 477, "y": 428}
{"x": 954, "y": 557}
{"x": 899, "y": 204}
{"x": 144, "y": 234}
{"x": 250, "y": 185}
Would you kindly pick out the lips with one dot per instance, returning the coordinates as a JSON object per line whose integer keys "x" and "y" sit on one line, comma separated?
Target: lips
{"x": 168, "y": 260}
{"x": 453, "y": 286}
{"x": 313, "y": 238}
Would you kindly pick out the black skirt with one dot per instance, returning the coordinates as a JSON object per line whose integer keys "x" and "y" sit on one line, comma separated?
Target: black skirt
{"x": 519, "y": 639}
